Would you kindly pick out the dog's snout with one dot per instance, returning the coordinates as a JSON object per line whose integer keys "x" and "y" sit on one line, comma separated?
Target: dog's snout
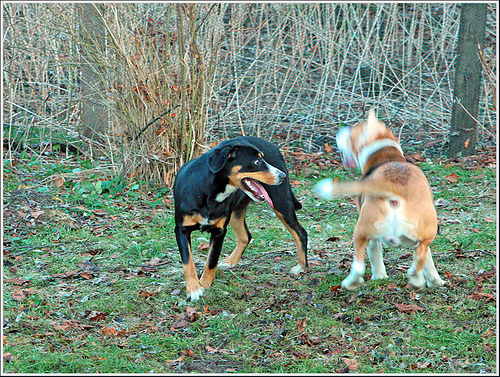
{"x": 280, "y": 176}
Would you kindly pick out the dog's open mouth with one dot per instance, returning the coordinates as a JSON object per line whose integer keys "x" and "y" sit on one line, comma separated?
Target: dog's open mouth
{"x": 256, "y": 191}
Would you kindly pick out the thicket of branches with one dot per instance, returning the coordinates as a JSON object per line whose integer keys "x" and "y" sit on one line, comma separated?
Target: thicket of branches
{"x": 293, "y": 73}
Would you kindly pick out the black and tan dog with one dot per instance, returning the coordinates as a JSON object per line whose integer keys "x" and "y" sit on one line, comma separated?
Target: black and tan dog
{"x": 214, "y": 190}
{"x": 394, "y": 201}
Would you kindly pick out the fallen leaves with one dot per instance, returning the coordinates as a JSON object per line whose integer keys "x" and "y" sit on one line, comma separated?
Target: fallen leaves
{"x": 180, "y": 359}
{"x": 190, "y": 316}
{"x": 37, "y": 214}
{"x": 71, "y": 324}
{"x": 488, "y": 348}
{"x": 411, "y": 308}
{"x": 452, "y": 178}
{"x": 111, "y": 332}
{"x": 328, "y": 148}
{"x": 485, "y": 276}
{"x": 94, "y": 315}
{"x": 301, "y": 324}
{"x": 391, "y": 287}
{"x": 18, "y": 295}
{"x": 352, "y": 364}
{"x": 217, "y": 350}
{"x": 335, "y": 288}
{"x": 146, "y": 294}
{"x": 489, "y": 332}
{"x": 22, "y": 294}
{"x": 332, "y": 239}
{"x": 87, "y": 271}
{"x": 8, "y": 357}
{"x": 179, "y": 325}
{"x": 153, "y": 262}
{"x": 482, "y": 296}
{"x": 349, "y": 344}
{"x": 58, "y": 181}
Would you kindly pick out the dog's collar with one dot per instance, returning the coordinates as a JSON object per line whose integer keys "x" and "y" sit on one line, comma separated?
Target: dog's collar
{"x": 372, "y": 148}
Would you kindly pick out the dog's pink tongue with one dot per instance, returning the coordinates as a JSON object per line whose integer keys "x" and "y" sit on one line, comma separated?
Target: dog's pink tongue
{"x": 258, "y": 187}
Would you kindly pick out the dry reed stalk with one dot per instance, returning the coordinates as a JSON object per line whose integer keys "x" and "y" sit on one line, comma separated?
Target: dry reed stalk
{"x": 156, "y": 63}
{"x": 329, "y": 63}
{"x": 290, "y": 72}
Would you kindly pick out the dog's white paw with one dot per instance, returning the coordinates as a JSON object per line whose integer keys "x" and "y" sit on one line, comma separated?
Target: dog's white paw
{"x": 432, "y": 277}
{"x": 435, "y": 282}
{"x": 297, "y": 270}
{"x": 195, "y": 295}
{"x": 379, "y": 276}
{"x": 352, "y": 282}
{"x": 415, "y": 278}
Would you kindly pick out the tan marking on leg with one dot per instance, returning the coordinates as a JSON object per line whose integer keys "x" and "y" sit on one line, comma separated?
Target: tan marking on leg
{"x": 219, "y": 223}
{"x": 190, "y": 220}
{"x": 208, "y": 274}
{"x": 300, "y": 251}
{"x": 415, "y": 272}
{"x": 242, "y": 240}
{"x": 192, "y": 283}
{"x": 421, "y": 255}
{"x": 207, "y": 277}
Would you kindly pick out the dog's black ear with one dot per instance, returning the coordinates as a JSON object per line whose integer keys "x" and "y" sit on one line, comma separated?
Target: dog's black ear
{"x": 219, "y": 157}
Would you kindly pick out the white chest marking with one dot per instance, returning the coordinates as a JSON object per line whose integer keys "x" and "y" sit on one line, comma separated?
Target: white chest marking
{"x": 223, "y": 195}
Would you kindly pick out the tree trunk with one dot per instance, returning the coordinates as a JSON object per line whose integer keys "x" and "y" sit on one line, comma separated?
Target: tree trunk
{"x": 94, "y": 118}
{"x": 463, "y": 132}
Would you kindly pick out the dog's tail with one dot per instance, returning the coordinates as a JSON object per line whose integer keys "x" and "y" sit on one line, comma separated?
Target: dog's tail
{"x": 296, "y": 204}
{"x": 327, "y": 189}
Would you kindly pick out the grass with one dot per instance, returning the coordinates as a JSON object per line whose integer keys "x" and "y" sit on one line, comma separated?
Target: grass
{"x": 94, "y": 284}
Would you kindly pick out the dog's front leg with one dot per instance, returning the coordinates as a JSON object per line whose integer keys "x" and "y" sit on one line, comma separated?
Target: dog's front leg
{"x": 374, "y": 251}
{"x": 216, "y": 240}
{"x": 355, "y": 278}
{"x": 193, "y": 288}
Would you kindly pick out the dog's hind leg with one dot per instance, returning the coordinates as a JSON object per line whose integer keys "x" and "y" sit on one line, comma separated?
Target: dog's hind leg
{"x": 374, "y": 251}
{"x": 430, "y": 273}
{"x": 243, "y": 235}
{"x": 415, "y": 273}
{"x": 355, "y": 278}
{"x": 193, "y": 288}
{"x": 299, "y": 234}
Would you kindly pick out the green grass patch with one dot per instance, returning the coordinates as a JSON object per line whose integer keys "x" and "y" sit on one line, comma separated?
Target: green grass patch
{"x": 93, "y": 283}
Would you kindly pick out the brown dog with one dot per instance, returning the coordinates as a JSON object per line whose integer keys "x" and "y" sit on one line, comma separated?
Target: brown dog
{"x": 394, "y": 201}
